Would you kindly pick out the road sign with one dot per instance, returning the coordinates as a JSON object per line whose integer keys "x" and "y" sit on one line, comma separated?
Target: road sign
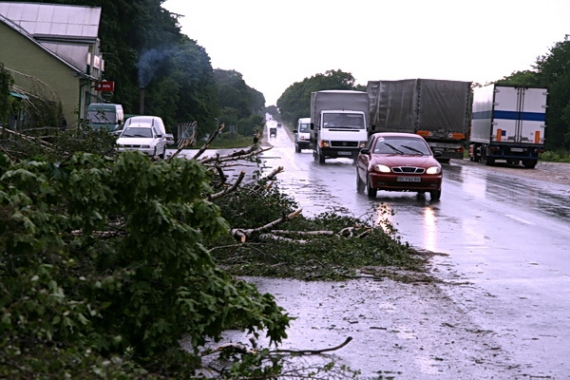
{"x": 105, "y": 86}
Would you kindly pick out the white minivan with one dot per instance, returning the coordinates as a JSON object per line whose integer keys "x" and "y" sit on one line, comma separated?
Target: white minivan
{"x": 303, "y": 134}
{"x": 146, "y": 134}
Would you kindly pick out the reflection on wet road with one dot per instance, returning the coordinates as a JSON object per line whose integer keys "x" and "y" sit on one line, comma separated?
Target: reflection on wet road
{"x": 508, "y": 236}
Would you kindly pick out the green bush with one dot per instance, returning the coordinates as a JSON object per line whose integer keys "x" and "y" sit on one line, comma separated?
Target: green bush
{"x": 556, "y": 156}
{"x": 104, "y": 270}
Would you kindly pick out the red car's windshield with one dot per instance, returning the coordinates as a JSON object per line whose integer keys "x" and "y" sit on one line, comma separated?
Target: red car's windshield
{"x": 401, "y": 145}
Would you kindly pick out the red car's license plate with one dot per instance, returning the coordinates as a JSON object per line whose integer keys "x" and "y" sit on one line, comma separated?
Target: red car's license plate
{"x": 408, "y": 179}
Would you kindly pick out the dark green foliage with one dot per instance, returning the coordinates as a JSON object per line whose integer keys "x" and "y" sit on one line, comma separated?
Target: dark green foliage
{"x": 255, "y": 204}
{"x": 241, "y": 106}
{"x": 295, "y": 101}
{"x": 319, "y": 257}
{"x": 6, "y": 82}
{"x": 104, "y": 269}
{"x": 554, "y": 70}
{"x": 58, "y": 145}
{"x": 143, "y": 48}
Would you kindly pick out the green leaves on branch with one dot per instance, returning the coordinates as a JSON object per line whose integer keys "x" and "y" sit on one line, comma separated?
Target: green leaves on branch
{"x": 104, "y": 269}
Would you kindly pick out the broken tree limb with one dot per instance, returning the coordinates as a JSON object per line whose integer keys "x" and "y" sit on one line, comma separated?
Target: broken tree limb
{"x": 211, "y": 138}
{"x": 315, "y": 352}
{"x": 223, "y": 177}
{"x": 240, "y": 154}
{"x": 314, "y": 233}
{"x": 271, "y": 236}
{"x": 229, "y": 189}
{"x": 244, "y": 234}
{"x": 274, "y": 173}
{"x": 29, "y": 138}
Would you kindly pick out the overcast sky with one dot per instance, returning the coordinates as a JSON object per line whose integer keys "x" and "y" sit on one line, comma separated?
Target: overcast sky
{"x": 275, "y": 43}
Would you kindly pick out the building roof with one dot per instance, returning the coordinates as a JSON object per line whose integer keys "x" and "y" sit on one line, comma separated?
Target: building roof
{"x": 54, "y": 20}
{"x": 65, "y": 31}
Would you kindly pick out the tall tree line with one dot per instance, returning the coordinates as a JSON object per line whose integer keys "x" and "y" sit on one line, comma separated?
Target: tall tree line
{"x": 143, "y": 47}
{"x": 295, "y": 102}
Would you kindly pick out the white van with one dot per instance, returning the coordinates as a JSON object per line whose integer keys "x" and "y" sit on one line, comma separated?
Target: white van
{"x": 303, "y": 134}
{"x": 107, "y": 116}
{"x": 145, "y": 134}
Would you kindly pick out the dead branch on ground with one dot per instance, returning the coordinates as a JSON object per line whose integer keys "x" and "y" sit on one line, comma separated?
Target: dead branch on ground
{"x": 244, "y": 234}
{"x": 228, "y": 189}
{"x": 243, "y": 349}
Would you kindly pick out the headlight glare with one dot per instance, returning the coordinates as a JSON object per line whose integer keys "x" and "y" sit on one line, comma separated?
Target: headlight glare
{"x": 433, "y": 170}
{"x": 382, "y": 168}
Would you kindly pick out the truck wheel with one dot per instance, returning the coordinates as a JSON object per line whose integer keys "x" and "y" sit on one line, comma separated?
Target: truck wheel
{"x": 359, "y": 184}
{"x": 370, "y": 191}
{"x": 489, "y": 161}
{"x": 435, "y": 195}
{"x": 321, "y": 158}
{"x": 297, "y": 148}
{"x": 530, "y": 164}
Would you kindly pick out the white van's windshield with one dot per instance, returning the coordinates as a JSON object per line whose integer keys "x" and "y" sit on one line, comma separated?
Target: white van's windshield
{"x": 137, "y": 132}
{"x": 100, "y": 116}
{"x": 304, "y": 127}
{"x": 343, "y": 120}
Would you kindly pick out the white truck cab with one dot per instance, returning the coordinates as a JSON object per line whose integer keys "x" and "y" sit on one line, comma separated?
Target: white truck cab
{"x": 339, "y": 123}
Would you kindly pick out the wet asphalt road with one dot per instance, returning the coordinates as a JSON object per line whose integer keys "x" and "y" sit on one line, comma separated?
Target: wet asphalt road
{"x": 505, "y": 239}
{"x": 502, "y": 310}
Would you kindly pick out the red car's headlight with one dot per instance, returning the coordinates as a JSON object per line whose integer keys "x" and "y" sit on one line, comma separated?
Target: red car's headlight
{"x": 433, "y": 170}
{"x": 382, "y": 168}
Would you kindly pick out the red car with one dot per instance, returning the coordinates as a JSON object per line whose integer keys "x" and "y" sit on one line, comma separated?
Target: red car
{"x": 398, "y": 162}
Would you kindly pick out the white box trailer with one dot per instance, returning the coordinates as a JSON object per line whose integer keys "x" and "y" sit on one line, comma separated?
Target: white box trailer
{"x": 508, "y": 123}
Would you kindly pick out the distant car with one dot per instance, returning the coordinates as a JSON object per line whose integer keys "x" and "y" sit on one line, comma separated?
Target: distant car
{"x": 145, "y": 134}
{"x": 272, "y": 132}
{"x": 169, "y": 139}
{"x": 278, "y": 125}
{"x": 398, "y": 162}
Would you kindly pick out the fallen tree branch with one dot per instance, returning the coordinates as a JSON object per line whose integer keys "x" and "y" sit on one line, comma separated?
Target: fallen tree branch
{"x": 274, "y": 173}
{"x": 244, "y": 234}
{"x": 240, "y": 154}
{"x": 222, "y": 175}
{"x": 30, "y": 138}
{"x": 240, "y": 348}
{"x": 211, "y": 138}
{"x": 314, "y": 233}
{"x": 315, "y": 352}
{"x": 229, "y": 189}
{"x": 272, "y": 236}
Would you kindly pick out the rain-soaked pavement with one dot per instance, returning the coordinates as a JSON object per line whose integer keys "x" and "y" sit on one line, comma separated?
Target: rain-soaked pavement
{"x": 502, "y": 308}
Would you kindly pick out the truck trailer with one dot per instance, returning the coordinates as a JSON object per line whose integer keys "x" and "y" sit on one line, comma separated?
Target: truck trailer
{"x": 437, "y": 110}
{"x": 339, "y": 123}
{"x": 509, "y": 123}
